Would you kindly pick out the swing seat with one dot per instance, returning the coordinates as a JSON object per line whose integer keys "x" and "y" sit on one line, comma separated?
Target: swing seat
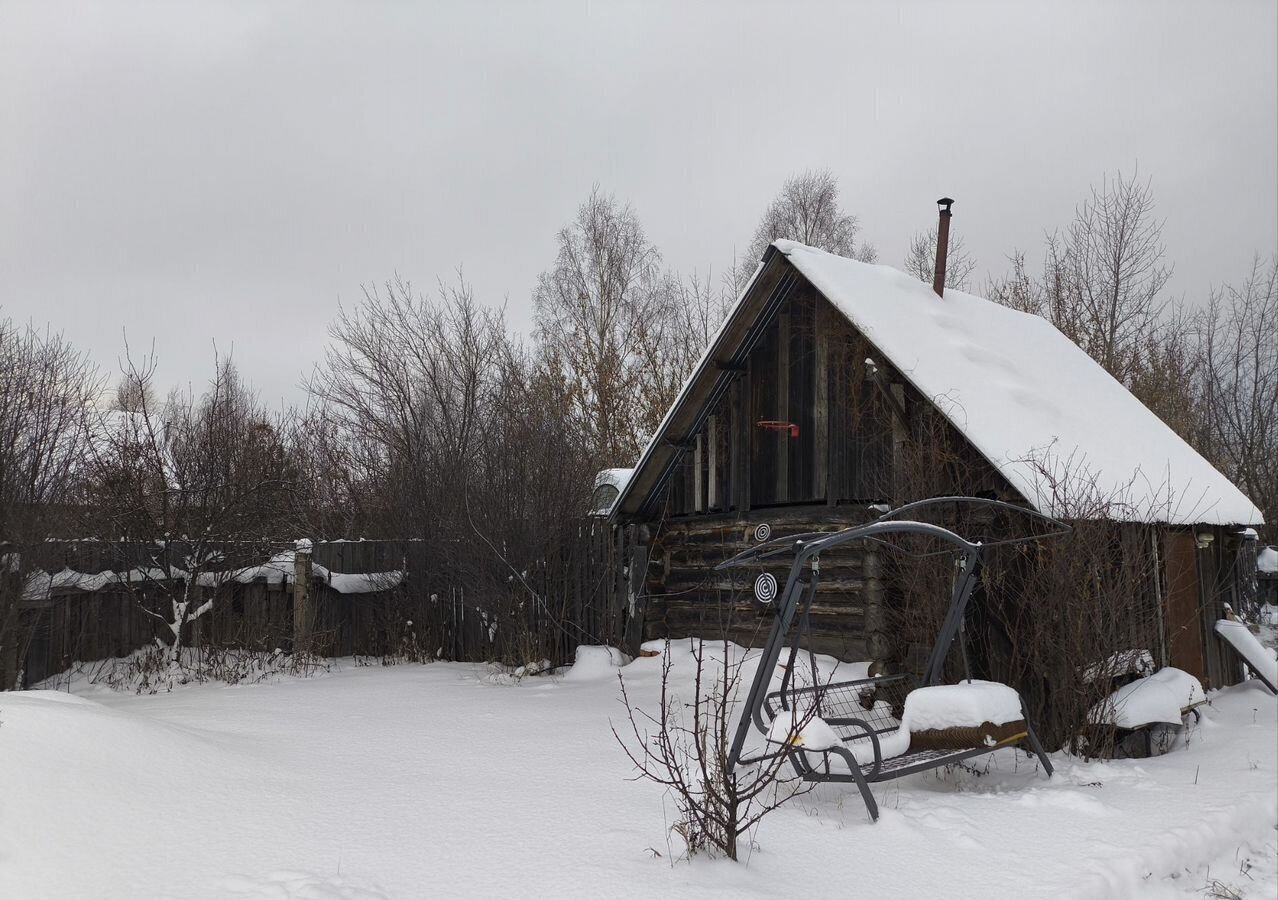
{"x": 866, "y": 715}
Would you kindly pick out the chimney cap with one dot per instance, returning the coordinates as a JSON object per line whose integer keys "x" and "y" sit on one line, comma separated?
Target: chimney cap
{"x": 945, "y": 202}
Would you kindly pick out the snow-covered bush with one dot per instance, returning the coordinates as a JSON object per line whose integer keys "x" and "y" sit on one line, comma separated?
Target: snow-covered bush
{"x": 685, "y": 746}
{"x": 153, "y": 669}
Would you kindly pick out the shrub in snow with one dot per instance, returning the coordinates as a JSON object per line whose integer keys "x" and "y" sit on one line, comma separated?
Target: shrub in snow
{"x": 1057, "y": 620}
{"x": 684, "y": 745}
{"x": 153, "y": 669}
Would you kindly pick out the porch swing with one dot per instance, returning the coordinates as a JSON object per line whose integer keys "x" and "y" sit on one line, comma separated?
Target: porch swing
{"x": 860, "y": 729}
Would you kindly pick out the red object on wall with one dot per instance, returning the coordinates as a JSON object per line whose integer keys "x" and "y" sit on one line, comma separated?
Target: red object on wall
{"x": 776, "y": 425}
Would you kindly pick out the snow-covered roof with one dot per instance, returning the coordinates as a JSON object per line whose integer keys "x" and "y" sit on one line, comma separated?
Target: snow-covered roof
{"x": 1267, "y": 560}
{"x": 1034, "y": 404}
{"x": 610, "y": 484}
{"x": 618, "y": 478}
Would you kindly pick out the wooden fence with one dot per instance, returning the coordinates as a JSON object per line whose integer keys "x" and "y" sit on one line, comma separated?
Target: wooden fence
{"x": 584, "y": 595}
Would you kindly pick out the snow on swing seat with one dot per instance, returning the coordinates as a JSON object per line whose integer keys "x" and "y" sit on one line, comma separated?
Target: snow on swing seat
{"x": 962, "y": 716}
{"x": 968, "y": 704}
{"x": 886, "y": 725}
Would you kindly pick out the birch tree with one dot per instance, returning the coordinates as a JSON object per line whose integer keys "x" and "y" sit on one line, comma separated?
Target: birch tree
{"x": 920, "y": 259}
{"x": 1105, "y": 274}
{"x": 807, "y": 210}
{"x": 602, "y": 309}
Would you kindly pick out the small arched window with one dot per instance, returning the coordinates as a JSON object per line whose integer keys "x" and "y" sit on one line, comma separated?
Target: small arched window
{"x": 605, "y": 496}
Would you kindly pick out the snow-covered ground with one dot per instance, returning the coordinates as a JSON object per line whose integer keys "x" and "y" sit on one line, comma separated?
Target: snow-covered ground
{"x": 442, "y": 781}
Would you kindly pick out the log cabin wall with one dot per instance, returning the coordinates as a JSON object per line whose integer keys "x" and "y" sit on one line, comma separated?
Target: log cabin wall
{"x": 687, "y": 597}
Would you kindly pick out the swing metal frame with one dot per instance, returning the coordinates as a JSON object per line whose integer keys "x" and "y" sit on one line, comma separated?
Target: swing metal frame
{"x": 837, "y": 702}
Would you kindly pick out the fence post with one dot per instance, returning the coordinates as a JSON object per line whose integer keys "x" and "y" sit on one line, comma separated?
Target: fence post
{"x": 10, "y": 665}
{"x": 878, "y": 638}
{"x": 303, "y": 617}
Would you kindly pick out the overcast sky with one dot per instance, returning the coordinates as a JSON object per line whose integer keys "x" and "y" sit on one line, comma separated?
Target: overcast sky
{"x": 230, "y": 172}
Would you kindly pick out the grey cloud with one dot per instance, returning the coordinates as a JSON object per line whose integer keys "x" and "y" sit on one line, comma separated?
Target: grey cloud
{"x": 229, "y": 172}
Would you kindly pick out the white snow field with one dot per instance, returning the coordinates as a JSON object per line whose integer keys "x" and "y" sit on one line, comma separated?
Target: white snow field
{"x": 441, "y": 781}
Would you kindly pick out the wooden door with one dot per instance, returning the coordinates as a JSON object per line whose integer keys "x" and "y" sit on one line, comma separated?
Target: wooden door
{"x": 1184, "y": 619}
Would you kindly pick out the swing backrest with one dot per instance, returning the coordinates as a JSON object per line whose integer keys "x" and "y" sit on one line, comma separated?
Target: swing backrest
{"x": 876, "y": 702}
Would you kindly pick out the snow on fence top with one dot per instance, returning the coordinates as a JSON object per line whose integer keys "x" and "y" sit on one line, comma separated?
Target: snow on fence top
{"x": 1027, "y": 397}
{"x": 277, "y": 570}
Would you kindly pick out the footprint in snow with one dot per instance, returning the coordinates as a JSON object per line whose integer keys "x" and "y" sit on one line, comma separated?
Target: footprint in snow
{"x": 289, "y": 885}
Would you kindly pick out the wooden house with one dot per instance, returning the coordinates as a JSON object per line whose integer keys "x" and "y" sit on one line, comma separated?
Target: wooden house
{"x": 801, "y": 414}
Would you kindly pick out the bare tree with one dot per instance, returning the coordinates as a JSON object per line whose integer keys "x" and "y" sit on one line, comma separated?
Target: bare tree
{"x": 203, "y": 483}
{"x": 685, "y": 746}
{"x": 920, "y": 260}
{"x": 1239, "y": 359}
{"x": 1105, "y": 275}
{"x": 409, "y": 381}
{"x": 602, "y": 309}
{"x": 1167, "y": 375}
{"x": 1101, "y": 285}
{"x": 672, "y": 348}
{"x": 807, "y": 210}
{"x": 1018, "y": 289}
{"x": 47, "y": 389}
{"x": 337, "y": 490}
{"x": 448, "y": 431}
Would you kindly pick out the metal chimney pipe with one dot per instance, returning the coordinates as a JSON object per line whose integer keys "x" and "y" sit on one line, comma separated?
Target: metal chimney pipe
{"x": 942, "y": 245}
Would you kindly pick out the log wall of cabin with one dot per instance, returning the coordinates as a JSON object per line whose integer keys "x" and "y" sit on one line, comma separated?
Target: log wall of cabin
{"x": 688, "y": 597}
